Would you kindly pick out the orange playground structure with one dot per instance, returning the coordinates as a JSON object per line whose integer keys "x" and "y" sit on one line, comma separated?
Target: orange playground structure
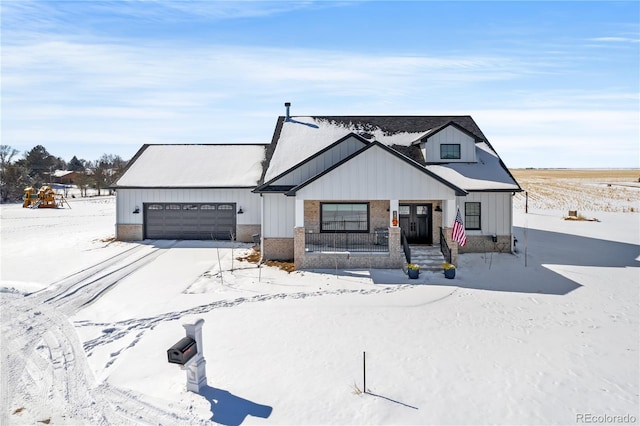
{"x": 44, "y": 198}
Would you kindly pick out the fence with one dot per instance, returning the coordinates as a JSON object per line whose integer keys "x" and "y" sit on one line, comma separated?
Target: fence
{"x": 378, "y": 241}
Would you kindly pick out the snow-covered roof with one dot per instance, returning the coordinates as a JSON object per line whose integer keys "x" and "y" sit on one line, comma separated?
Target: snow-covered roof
{"x": 486, "y": 174}
{"x": 298, "y": 138}
{"x": 62, "y": 173}
{"x": 195, "y": 166}
{"x": 301, "y": 137}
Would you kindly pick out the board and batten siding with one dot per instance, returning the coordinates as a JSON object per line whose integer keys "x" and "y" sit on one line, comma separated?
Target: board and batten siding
{"x": 279, "y": 216}
{"x": 321, "y": 163}
{"x": 449, "y": 135}
{"x": 495, "y": 212}
{"x": 127, "y": 199}
{"x": 375, "y": 174}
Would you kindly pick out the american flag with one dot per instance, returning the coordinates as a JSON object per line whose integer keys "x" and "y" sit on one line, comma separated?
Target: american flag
{"x": 458, "y": 234}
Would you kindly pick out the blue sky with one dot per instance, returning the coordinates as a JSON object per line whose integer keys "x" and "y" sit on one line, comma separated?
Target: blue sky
{"x": 551, "y": 84}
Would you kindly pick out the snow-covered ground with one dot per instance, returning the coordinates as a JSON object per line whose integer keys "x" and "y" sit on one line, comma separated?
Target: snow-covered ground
{"x": 546, "y": 336}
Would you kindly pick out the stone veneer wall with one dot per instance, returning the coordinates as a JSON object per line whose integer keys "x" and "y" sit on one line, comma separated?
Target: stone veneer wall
{"x": 484, "y": 243}
{"x": 393, "y": 259}
{"x": 246, "y": 232}
{"x": 136, "y": 232}
{"x": 129, "y": 232}
{"x": 436, "y": 222}
{"x": 277, "y": 249}
{"x": 453, "y": 246}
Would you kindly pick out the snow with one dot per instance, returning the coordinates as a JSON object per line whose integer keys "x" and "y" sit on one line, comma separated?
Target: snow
{"x": 486, "y": 174}
{"x": 190, "y": 166}
{"x": 542, "y": 336}
{"x": 301, "y": 137}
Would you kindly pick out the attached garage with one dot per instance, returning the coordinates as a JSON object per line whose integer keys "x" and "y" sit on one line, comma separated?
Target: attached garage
{"x": 190, "y": 221}
{"x": 191, "y": 192}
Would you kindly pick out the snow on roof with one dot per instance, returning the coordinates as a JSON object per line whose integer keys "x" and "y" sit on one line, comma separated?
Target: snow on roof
{"x": 301, "y": 137}
{"x": 195, "y": 166}
{"x": 486, "y": 174}
{"x": 62, "y": 173}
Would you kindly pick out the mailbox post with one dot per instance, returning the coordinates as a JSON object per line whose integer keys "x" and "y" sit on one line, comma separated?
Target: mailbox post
{"x": 196, "y": 371}
{"x": 189, "y": 354}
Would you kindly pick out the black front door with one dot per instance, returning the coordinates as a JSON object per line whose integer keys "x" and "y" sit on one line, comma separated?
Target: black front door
{"x": 415, "y": 221}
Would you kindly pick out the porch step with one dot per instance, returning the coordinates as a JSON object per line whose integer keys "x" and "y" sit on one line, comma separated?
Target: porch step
{"x": 429, "y": 258}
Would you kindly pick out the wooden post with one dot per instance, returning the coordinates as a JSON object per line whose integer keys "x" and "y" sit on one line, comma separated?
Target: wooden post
{"x": 526, "y": 201}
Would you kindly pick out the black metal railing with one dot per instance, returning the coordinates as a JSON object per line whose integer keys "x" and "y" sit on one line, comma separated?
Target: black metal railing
{"x": 444, "y": 247}
{"x": 378, "y": 241}
{"x": 405, "y": 247}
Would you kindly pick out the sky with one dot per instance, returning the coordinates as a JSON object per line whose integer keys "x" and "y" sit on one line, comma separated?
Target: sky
{"x": 551, "y": 84}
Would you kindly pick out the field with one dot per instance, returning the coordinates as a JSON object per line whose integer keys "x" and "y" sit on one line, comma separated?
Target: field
{"x": 579, "y": 189}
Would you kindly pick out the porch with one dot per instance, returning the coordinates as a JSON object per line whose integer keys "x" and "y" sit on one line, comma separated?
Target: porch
{"x": 378, "y": 249}
{"x": 365, "y": 234}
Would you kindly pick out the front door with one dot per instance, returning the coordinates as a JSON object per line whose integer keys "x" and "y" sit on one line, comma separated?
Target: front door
{"x": 415, "y": 221}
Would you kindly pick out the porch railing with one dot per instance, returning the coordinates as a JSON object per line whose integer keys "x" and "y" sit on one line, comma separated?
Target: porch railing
{"x": 444, "y": 247}
{"x": 378, "y": 241}
{"x": 405, "y": 247}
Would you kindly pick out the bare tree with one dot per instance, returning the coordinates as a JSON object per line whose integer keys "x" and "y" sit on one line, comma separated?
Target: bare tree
{"x": 12, "y": 177}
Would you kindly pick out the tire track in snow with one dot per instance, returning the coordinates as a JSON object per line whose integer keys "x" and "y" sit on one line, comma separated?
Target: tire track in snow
{"x": 37, "y": 324}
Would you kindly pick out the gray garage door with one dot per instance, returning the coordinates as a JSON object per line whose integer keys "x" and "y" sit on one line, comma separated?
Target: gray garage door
{"x": 190, "y": 221}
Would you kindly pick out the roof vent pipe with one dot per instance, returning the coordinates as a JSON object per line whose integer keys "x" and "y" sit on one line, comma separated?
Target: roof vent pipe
{"x": 287, "y": 105}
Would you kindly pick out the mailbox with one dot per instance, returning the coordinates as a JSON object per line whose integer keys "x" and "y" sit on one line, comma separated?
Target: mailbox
{"x": 182, "y": 351}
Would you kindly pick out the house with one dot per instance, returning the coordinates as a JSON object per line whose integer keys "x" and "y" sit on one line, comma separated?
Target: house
{"x": 65, "y": 177}
{"x": 345, "y": 191}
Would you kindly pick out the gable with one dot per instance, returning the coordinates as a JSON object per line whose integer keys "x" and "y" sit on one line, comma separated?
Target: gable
{"x": 317, "y": 163}
{"x": 375, "y": 173}
{"x": 298, "y": 138}
{"x": 450, "y": 136}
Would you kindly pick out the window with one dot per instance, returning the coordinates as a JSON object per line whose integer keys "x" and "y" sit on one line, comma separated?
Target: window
{"x": 472, "y": 215}
{"x": 450, "y": 151}
{"x": 341, "y": 217}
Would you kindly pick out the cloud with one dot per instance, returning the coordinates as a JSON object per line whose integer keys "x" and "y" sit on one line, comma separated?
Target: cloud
{"x": 615, "y": 40}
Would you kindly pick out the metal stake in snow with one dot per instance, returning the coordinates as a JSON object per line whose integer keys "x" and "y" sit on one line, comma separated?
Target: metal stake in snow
{"x": 364, "y": 372}
{"x": 196, "y": 366}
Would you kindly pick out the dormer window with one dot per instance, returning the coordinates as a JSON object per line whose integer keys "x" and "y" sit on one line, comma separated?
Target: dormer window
{"x": 450, "y": 151}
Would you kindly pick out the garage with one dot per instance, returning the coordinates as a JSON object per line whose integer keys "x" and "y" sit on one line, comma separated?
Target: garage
{"x": 190, "y": 221}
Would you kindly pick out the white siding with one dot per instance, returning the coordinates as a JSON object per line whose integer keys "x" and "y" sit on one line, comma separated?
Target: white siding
{"x": 450, "y": 135}
{"x": 375, "y": 175}
{"x": 495, "y": 212}
{"x": 321, "y": 163}
{"x": 279, "y": 216}
{"x": 128, "y": 199}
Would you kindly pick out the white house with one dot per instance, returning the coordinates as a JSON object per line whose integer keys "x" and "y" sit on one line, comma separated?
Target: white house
{"x": 357, "y": 188}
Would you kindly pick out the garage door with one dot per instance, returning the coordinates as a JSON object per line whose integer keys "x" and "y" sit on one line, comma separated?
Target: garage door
{"x": 190, "y": 221}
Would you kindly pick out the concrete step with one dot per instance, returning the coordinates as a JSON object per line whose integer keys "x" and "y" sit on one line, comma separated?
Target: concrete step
{"x": 429, "y": 258}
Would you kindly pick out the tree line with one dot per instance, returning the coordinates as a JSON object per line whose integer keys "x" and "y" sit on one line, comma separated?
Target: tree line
{"x": 37, "y": 168}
